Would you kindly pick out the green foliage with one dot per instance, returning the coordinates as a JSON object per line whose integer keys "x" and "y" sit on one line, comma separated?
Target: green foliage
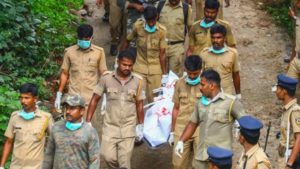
{"x": 280, "y": 15}
{"x": 33, "y": 36}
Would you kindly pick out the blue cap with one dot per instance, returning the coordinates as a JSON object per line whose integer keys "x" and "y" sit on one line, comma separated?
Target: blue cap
{"x": 250, "y": 126}
{"x": 219, "y": 156}
{"x": 286, "y": 82}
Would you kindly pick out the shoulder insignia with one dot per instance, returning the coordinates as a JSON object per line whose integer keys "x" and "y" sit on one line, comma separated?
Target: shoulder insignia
{"x": 137, "y": 75}
{"x": 106, "y": 73}
{"x": 97, "y": 47}
{"x": 230, "y": 96}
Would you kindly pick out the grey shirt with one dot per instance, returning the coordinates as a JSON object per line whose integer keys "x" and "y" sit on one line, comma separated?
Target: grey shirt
{"x": 77, "y": 149}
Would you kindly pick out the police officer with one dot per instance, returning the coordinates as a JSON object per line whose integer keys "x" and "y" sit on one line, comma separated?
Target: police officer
{"x": 215, "y": 114}
{"x": 253, "y": 156}
{"x": 125, "y": 97}
{"x": 177, "y": 17}
{"x": 219, "y": 158}
{"x": 151, "y": 49}
{"x": 289, "y": 146}
{"x": 187, "y": 93}
{"x": 26, "y": 132}
{"x": 82, "y": 66}
{"x": 199, "y": 36}
{"x": 224, "y": 60}
{"x": 72, "y": 142}
{"x": 200, "y": 7}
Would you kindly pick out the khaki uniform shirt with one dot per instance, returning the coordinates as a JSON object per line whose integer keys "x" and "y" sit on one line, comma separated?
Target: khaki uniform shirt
{"x": 200, "y": 37}
{"x": 148, "y": 47}
{"x": 225, "y": 64}
{"x": 255, "y": 158}
{"x": 186, "y": 96}
{"x": 173, "y": 19}
{"x": 291, "y": 113}
{"x": 121, "y": 117}
{"x": 29, "y": 139}
{"x": 84, "y": 68}
{"x": 215, "y": 123}
{"x": 294, "y": 69}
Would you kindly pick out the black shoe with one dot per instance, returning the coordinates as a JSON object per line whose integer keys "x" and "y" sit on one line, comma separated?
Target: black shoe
{"x": 113, "y": 50}
{"x": 105, "y": 17}
{"x": 287, "y": 59}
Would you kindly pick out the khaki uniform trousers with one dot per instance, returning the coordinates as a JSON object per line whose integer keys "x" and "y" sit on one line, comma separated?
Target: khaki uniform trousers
{"x": 117, "y": 152}
{"x": 200, "y": 9}
{"x": 175, "y": 54}
{"x": 151, "y": 82}
{"x": 115, "y": 21}
{"x": 188, "y": 159}
{"x": 201, "y": 164}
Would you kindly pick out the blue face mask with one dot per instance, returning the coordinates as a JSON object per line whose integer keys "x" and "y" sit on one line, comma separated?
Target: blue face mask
{"x": 205, "y": 101}
{"x": 73, "y": 126}
{"x": 27, "y": 116}
{"x": 220, "y": 51}
{"x": 203, "y": 24}
{"x": 192, "y": 82}
{"x": 150, "y": 29}
{"x": 84, "y": 44}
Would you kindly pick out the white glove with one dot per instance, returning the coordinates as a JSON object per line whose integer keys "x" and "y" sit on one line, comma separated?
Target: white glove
{"x": 179, "y": 149}
{"x": 58, "y": 100}
{"x": 89, "y": 123}
{"x": 139, "y": 132}
{"x": 103, "y": 106}
{"x": 239, "y": 96}
{"x": 164, "y": 80}
{"x": 237, "y": 128}
{"x": 171, "y": 139}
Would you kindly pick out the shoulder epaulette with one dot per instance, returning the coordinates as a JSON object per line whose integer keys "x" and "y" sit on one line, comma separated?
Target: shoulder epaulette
{"x": 137, "y": 75}
{"x": 97, "y": 47}
{"x": 106, "y": 73}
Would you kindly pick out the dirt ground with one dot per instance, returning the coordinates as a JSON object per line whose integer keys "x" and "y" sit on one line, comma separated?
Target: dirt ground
{"x": 261, "y": 45}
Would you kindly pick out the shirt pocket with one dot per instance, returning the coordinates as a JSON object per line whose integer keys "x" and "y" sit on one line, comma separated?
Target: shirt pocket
{"x": 18, "y": 134}
{"x": 183, "y": 98}
{"x": 221, "y": 115}
{"x": 226, "y": 67}
{"x": 131, "y": 95}
{"x": 179, "y": 21}
{"x": 155, "y": 44}
{"x": 201, "y": 38}
{"x": 112, "y": 94}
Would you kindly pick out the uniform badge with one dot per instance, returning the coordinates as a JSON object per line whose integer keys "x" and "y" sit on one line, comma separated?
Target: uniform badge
{"x": 298, "y": 121}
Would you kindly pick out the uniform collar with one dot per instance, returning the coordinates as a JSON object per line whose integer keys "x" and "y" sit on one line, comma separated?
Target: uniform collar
{"x": 87, "y": 50}
{"x": 290, "y": 104}
{"x": 252, "y": 151}
{"x": 179, "y": 5}
{"x": 220, "y": 95}
{"x": 38, "y": 113}
{"x": 115, "y": 76}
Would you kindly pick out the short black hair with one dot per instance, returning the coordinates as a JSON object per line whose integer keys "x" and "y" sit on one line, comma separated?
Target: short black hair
{"x": 212, "y": 76}
{"x": 212, "y": 4}
{"x": 251, "y": 139}
{"x": 290, "y": 92}
{"x": 217, "y": 28}
{"x": 29, "y": 88}
{"x": 129, "y": 53}
{"x": 150, "y": 12}
{"x": 193, "y": 63}
{"x": 84, "y": 31}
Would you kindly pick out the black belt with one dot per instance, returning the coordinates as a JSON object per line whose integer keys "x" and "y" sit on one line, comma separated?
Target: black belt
{"x": 175, "y": 42}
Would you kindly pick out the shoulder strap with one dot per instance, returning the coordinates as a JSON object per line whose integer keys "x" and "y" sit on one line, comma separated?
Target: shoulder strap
{"x": 160, "y": 7}
{"x": 185, "y": 14}
{"x": 230, "y": 110}
{"x": 138, "y": 92}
